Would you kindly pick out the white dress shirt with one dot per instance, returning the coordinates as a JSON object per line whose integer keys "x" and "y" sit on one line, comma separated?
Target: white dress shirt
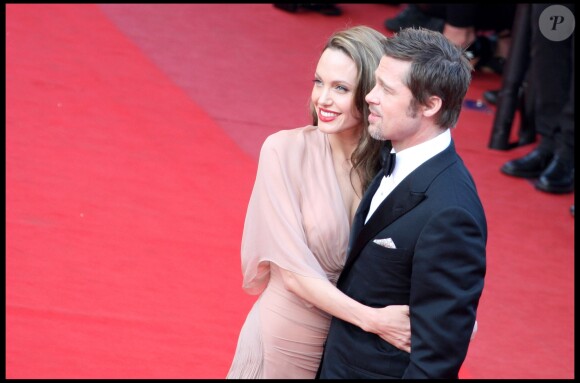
{"x": 407, "y": 161}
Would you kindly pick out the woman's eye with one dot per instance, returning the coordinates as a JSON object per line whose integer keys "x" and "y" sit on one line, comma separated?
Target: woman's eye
{"x": 342, "y": 88}
{"x": 317, "y": 81}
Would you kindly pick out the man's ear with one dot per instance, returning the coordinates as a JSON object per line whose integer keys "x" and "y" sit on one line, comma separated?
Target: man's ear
{"x": 432, "y": 106}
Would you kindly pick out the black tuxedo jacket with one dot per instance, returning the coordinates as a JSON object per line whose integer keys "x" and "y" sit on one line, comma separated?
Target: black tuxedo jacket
{"x": 437, "y": 223}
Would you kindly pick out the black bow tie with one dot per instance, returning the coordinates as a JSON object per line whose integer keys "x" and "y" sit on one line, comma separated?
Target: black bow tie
{"x": 388, "y": 162}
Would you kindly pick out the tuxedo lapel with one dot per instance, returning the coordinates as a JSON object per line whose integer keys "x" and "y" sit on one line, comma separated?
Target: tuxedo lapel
{"x": 399, "y": 202}
{"x": 408, "y": 194}
{"x": 363, "y": 209}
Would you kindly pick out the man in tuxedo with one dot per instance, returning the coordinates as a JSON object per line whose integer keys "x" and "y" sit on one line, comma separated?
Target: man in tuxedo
{"x": 419, "y": 235}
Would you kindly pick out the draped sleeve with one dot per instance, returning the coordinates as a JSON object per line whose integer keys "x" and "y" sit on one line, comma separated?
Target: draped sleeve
{"x": 273, "y": 228}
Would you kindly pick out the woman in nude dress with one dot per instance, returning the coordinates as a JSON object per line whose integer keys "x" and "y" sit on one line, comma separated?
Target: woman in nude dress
{"x": 308, "y": 186}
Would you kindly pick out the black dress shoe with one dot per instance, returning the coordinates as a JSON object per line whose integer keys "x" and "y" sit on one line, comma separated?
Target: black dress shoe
{"x": 558, "y": 178}
{"x": 491, "y": 96}
{"x": 530, "y": 166}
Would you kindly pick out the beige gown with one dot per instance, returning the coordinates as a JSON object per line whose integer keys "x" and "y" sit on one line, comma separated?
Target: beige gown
{"x": 296, "y": 220}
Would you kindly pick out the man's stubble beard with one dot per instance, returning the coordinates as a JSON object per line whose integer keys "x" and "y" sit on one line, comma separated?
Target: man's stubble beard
{"x": 376, "y": 132}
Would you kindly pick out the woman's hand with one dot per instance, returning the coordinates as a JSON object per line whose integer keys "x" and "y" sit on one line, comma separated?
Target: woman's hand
{"x": 393, "y": 324}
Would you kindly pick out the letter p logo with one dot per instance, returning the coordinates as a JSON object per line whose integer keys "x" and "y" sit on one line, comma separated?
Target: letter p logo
{"x": 557, "y": 22}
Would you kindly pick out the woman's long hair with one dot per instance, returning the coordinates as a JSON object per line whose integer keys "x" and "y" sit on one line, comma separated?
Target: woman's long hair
{"x": 364, "y": 46}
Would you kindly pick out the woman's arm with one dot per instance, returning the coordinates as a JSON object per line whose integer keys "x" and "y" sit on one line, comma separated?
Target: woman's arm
{"x": 391, "y": 323}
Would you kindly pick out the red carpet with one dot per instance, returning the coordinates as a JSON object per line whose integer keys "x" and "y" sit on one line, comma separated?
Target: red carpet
{"x": 131, "y": 146}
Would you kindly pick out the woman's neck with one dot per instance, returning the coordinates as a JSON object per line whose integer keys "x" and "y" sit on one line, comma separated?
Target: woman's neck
{"x": 343, "y": 144}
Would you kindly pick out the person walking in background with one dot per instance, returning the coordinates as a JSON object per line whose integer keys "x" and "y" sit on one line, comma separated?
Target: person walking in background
{"x": 420, "y": 232}
{"x": 308, "y": 186}
{"x": 467, "y": 26}
{"x": 552, "y": 79}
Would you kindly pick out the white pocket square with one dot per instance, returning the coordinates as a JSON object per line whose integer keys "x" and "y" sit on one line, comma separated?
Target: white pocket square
{"x": 386, "y": 242}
